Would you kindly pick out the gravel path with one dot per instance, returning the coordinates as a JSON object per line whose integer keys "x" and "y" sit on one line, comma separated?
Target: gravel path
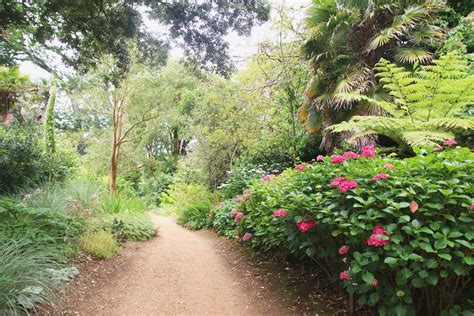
{"x": 177, "y": 273}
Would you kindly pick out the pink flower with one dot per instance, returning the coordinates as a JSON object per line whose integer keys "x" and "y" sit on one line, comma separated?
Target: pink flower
{"x": 299, "y": 167}
{"x": 375, "y": 239}
{"x": 450, "y": 142}
{"x": 309, "y": 165}
{"x": 368, "y": 152}
{"x": 472, "y": 206}
{"x": 305, "y": 226}
{"x": 375, "y": 282}
{"x": 219, "y": 203}
{"x": 389, "y": 166}
{"x": 246, "y": 193}
{"x": 351, "y": 155}
{"x": 267, "y": 177}
{"x": 246, "y": 236}
{"x": 347, "y": 185}
{"x": 239, "y": 216}
{"x": 336, "y": 182}
{"x": 239, "y": 199}
{"x": 338, "y": 159}
{"x": 234, "y": 212}
{"x": 437, "y": 148}
{"x": 344, "y": 275}
{"x": 320, "y": 158}
{"x": 343, "y": 250}
{"x": 279, "y": 213}
{"x": 379, "y": 176}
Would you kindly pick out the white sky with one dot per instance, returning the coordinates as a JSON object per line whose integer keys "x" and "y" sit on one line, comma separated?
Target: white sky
{"x": 240, "y": 47}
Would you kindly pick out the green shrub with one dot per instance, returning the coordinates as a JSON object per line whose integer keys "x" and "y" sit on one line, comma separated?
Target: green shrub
{"x": 100, "y": 243}
{"x": 23, "y": 162}
{"x": 181, "y": 195}
{"x": 194, "y": 216}
{"x": 24, "y": 274}
{"x": 419, "y": 214}
{"x": 116, "y": 203}
{"x": 240, "y": 178}
{"x": 125, "y": 226}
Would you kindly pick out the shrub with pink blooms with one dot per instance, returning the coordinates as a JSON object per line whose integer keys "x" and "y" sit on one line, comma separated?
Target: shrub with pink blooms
{"x": 396, "y": 233}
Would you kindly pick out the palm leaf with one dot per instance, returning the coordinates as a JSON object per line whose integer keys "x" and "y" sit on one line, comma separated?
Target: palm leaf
{"x": 411, "y": 55}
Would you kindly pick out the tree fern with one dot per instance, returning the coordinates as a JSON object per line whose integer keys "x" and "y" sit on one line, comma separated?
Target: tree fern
{"x": 425, "y": 107}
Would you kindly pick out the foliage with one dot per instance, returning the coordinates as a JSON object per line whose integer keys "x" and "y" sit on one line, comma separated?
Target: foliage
{"x": 49, "y": 122}
{"x": 24, "y": 274}
{"x": 182, "y": 195}
{"x": 425, "y": 107}
{"x": 116, "y": 203}
{"x": 124, "y": 226}
{"x": 101, "y": 244}
{"x": 240, "y": 178}
{"x": 346, "y": 39}
{"x": 11, "y": 84}
{"x": 194, "y": 216}
{"x": 421, "y": 208}
{"x": 23, "y": 162}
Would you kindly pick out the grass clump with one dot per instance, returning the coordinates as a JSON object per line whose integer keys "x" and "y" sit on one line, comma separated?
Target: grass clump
{"x": 194, "y": 216}
{"x": 115, "y": 203}
{"x": 101, "y": 244}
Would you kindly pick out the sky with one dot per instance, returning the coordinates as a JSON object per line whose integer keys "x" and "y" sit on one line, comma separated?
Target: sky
{"x": 241, "y": 48}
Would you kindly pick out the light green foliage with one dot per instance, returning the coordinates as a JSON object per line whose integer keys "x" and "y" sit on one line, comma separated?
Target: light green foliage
{"x": 49, "y": 122}
{"x": 182, "y": 195}
{"x": 101, "y": 244}
{"x": 424, "y": 107}
{"x": 195, "y": 216}
{"x": 116, "y": 203}
{"x": 124, "y": 226}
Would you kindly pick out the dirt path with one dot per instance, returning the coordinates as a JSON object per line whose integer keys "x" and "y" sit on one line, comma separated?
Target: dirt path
{"x": 177, "y": 273}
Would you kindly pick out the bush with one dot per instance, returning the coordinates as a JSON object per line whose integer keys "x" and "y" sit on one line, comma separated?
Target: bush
{"x": 194, "y": 216}
{"x": 240, "y": 178}
{"x": 101, "y": 244}
{"x": 23, "y": 162}
{"x": 116, "y": 203}
{"x": 24, "y": 274}
{"x": 398, "y": 233}
{"x": 181, "y": 195}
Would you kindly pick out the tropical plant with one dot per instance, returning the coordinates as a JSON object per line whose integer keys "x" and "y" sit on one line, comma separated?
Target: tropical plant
{"x": 346, "y": 40}
{"x": 424, "y": 107}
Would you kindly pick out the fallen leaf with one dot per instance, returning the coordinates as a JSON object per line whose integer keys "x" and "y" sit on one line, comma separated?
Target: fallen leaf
{"x": 413, "y": 206}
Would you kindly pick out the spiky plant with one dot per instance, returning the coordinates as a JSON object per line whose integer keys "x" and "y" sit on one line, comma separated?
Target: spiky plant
{"x": 425, "y": 106}
{"x": 346, "y": 39}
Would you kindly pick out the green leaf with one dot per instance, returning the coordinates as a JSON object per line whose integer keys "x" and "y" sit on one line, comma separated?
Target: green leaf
{"x": 445, "y": 256}
{"x": 368, "y": 277}
{"x": 441, "y": 244}
{"x": 374, "y": 298}
{"x": 390, "y": 261}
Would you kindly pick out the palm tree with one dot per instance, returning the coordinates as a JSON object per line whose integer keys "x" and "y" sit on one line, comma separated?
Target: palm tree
{"x": 346, "y": 39}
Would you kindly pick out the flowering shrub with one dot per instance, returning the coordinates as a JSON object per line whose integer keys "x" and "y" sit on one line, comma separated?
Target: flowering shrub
{"x": 396, "y": 233}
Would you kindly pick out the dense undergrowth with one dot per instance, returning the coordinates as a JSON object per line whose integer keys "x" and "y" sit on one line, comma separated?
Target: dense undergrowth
{"x": 41, "y": 232}
{"x": 395, "y": 233}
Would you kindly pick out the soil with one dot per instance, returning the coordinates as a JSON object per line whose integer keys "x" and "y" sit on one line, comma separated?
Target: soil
{"x": 183, "y": 272}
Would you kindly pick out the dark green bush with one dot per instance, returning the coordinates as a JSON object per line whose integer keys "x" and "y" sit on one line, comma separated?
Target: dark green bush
{"x": 194, "y": 216}
{"x": 23, "y": 161}
{"x": 419, "y": 213}
{"x": 125, "y": 226}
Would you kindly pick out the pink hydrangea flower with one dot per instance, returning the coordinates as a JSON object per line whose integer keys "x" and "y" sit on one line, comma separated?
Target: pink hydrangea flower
{"x": 267, "y": 177}
{"x": 305, "y": 226}
{"x": 239, "y": 216}
{"x": 239, "y": 199}
{"x": 336, "y": 182}
{"x": 450, "y": 142}
{"x": 379, "y": 176}
{"x": 351, "y": 155}
{"x": 437, "y": 148}
{"x": 375, "y": 282}
{"x": 279, "y": 213}
{"x": 344, "y": 275}
{"x": 368, "y": 152}
{"x": 389, "y": 166}
{"x": 320, "y": 158}
{"x": 246, "y": 236}
{"x": 375, "y": 239}
{"x": 347, "y": 185}
{"x": 338, "y": 159}
{"x": 343, "y": 250}
{"x": 309, "y": 165}
{"x": 234, "y": 212}
{"x": 472, "y": 206}
{"x": 299, "y": 167}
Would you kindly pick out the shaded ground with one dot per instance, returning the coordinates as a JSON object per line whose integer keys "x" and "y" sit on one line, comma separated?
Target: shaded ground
{"x": 183, "y": 272}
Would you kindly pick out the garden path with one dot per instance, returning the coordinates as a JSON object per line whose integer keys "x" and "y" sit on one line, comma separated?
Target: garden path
{"x": 177, "y": 273}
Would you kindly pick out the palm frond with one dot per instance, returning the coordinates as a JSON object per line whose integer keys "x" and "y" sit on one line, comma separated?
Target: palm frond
{"x": 410, "y": 55}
